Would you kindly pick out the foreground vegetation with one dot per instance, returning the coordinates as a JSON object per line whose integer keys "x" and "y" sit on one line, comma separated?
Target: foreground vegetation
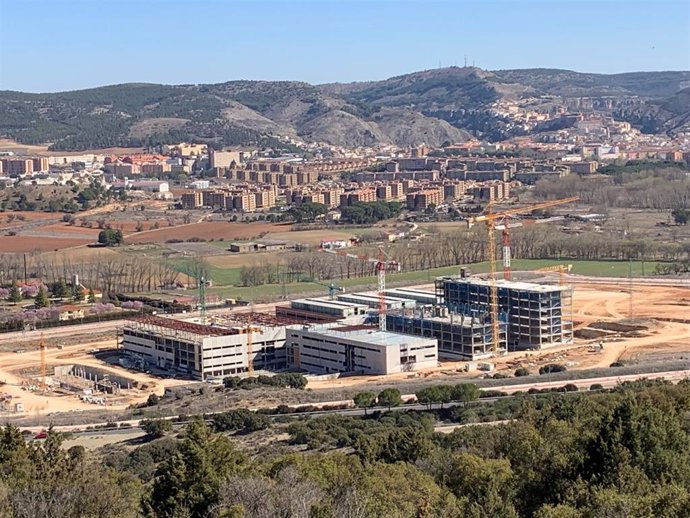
{"x": 615, "y": 454}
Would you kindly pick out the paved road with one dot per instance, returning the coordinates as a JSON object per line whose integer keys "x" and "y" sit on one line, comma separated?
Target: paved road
{"x": 606, "y": 382}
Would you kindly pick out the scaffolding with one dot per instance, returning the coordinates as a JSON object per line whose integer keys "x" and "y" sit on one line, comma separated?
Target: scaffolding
{"x": 536, "y": 315}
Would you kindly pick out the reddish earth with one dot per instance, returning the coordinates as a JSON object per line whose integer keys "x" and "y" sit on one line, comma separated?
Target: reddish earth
{"x": 43, "y": 244}
{"x": 75, "y": 230}
{"x": 28, "y": 217}
{"x": 206, "y": 230}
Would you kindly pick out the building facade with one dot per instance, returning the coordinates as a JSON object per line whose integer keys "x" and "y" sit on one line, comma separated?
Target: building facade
{"x": 358, "y": 349}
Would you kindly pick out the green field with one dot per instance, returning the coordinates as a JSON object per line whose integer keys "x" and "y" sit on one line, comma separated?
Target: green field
{"x": 268, "y": 292}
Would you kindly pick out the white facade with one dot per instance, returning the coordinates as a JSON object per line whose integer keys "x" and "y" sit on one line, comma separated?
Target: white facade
{"x": 323, "y": 350}
{"x": 202, "y": 356}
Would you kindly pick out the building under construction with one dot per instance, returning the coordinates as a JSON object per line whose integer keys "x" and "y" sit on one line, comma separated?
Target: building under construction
{"x": 536, "y": 315}
{"x": 203, "y": 351}
{"x": 460, "y": 337}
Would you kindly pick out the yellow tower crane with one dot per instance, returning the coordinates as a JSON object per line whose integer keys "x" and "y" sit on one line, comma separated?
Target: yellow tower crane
{"x": 492, "y": 220}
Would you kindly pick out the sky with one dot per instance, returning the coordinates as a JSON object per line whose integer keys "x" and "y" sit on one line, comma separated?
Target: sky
{"x": 56, "y": 45}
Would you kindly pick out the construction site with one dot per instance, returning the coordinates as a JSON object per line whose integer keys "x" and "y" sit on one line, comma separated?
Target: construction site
{"x": 524, "y": 319}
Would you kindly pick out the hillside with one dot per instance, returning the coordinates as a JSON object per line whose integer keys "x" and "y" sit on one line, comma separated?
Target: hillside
{"x": 431, "y": 106}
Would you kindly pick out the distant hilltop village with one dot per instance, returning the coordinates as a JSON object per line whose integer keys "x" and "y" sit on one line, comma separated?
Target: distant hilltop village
{"x": 192, "y": 176}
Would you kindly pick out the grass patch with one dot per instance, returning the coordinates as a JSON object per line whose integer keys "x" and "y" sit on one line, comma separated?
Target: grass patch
{"x": 223, "y": 277}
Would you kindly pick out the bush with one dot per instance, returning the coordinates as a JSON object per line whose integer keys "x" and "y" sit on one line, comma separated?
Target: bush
{"x": 552, "y": 367}
{"x": 492, "y": 393}
{"x": 156, "y": 428}
{"x": 571, "y": 387}
{"x": 522, "y": 371}
{"x": 153, "y": 400}
{"x": 243, "y": 420}
{"x": 616, "y": 364}
{"x": 596, "y": 386}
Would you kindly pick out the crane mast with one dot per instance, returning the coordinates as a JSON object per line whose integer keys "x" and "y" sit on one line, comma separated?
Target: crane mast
{"x": 381, "y": 264}
{"x": 381, "y": 273}
{"x": 492, "y": 220}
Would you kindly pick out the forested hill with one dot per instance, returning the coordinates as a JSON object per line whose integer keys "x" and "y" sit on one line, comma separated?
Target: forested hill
{"x": 594, "y": 454}
{"x": 431, "y": 106}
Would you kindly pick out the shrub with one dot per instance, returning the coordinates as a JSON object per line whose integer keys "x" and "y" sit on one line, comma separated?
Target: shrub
{"x": 552, "y": 367}
{"x": 522, "y": 371}
{"x": 156, "y": 428}
{"x": 571, "y": 387}
{"x": 596, "y": 386}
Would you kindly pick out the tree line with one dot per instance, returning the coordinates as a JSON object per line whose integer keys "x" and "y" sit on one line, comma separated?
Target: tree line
{"x": 623, "y": 453}
{"x": 103, "y": 272}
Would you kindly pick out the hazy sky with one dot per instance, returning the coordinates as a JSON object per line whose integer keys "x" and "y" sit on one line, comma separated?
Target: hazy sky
{"x": 51, "y": 45}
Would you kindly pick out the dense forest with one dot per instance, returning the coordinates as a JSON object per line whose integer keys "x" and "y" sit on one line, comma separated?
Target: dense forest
{"x": 618, "y": 454}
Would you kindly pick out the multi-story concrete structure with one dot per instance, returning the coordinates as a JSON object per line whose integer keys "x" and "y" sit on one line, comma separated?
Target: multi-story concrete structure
{"x": 335, "y": 308}
{"x": 536, "y": 314}
{"x": 202, "y": 351}
{"x": 584, "y": 167}
{"x": 17, "y": 166}
{"x": 155, "y": 168}
{"x": 460, "y": 337}
{"x": 328, "y": 349}
{"x": 421, "y": 200}
{"x": 359, "y": 195}
{"x": 40, "y": 164}
{"x": 224, "y": 158}
{"x": 192, "y": 200}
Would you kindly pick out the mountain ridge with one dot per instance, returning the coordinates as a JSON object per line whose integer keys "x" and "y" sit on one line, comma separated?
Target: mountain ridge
{"x": 429, "y": 106}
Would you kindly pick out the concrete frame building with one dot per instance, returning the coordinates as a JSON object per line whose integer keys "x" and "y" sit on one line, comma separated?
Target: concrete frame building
{"x": 536, "y": 314}
{"x": 202, "y": 351}
{"x": 358, "y": 349}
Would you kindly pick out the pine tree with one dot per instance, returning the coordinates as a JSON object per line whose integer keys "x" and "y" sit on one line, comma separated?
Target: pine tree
{"x": 41, "y": 300}
{"x": 77, "y": 293}
{"x": 59, "y": 289}
{"x": 15, "y": 293}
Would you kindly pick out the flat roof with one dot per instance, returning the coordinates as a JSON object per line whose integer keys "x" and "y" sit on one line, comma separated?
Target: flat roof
{"x": 502, "y": 283}
{"x": 374, "y": 297}
{"x": 339, "y": 304}
{"x": 373, "y": 336}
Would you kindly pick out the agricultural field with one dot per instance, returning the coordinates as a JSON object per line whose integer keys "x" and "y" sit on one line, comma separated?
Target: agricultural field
{"x": 206, "y": 230}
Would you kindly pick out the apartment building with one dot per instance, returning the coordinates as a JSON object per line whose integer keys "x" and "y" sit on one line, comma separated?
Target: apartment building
{"x": 584, "y": 167}
{"x": 359, "y": 195}
{"x": 491, "y": 192}
{"x": 154, "y": 168}
{"x": 331, "y": 197}
{"x": 384, "y": 192}
{"x": 40, "y": 164}
{"x": 243, "y": 202}
{"x": 192, "y": 200}
{"x": 453, "y": 190}
{"x": 422, "y": 199}
{"x": 17, "y": 166}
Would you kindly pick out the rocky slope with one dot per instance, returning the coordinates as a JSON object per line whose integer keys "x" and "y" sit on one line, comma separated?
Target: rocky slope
{"x": 432, "y": 106}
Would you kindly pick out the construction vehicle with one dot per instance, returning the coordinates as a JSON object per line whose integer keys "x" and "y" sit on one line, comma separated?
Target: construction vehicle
{"x": 492, "y": 220}
{"x": 381, "y": 265}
